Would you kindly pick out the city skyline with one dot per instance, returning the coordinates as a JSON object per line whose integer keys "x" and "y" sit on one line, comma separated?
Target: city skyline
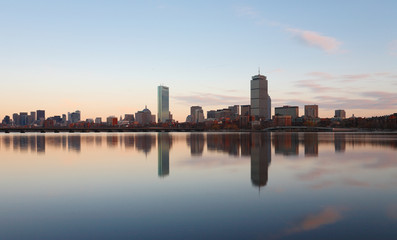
{"x": 107, "y": 58}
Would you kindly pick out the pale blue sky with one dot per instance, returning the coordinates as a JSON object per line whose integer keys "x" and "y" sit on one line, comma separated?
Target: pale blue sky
{"x": 108, "y": 57}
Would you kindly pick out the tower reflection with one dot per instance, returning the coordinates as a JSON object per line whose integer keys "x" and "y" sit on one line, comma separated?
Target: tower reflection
{"x": 196, "y": 142}
{"x": 286, "y": 144}
{"x": 261, "y": 156}
{"x": 164, "y": 144}
{"x": 74, "y": 143}
{"x": 311, "y": 144}
{"x": 340, "y": 142}
{"x": 145, "y": 142}
{"x": 40, "y": 144}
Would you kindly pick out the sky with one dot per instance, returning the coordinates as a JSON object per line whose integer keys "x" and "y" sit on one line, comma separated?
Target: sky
{"x": 108, "y": 57}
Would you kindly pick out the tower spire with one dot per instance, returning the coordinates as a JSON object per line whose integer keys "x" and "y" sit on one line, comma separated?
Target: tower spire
{"x": 259, "y": 71}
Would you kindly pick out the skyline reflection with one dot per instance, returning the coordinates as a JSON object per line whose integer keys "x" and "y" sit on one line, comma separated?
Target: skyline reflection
{"x": 234, "y": 144}
{"x": 341, "y": 178}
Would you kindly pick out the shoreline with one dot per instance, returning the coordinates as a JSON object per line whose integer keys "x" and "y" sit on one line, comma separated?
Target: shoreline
{"x": 146, "y": 130}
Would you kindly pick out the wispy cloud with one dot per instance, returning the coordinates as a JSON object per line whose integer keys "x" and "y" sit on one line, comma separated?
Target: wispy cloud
{"x": 380, "y": 100}
{"x": 351, "y": 77}
{"x": 323, "y": 88}
{"x": 210, "y": 99}
{"x": 317, "y": 40}
{"x": 382, "y": 163}
{"x": 315, "y": 86}
{"x": 365, "y": 100}
{"x": 309, "y": 38}
{"x": 357, "y": 76}
{"x": 354, "y": 183}
{"x": 313, "y": 174}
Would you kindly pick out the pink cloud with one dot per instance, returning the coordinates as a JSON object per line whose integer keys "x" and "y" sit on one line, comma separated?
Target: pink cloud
{"x": 315, "y": 86}
{"x": 328, "y": 215}
{"x": 313, "y": 174}
{"x": 357, "y": 76}
{"x": 355, "y": 183}
{"x": 209, "y": 99}
{"x": 351, "y": 77}
{"x": 322, "y": 185}
{"x": 314, "y": 39}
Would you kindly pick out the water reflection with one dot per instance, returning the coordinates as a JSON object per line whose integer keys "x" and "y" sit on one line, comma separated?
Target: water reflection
{"x": 215, "y": 178}
{"x": 164, "y": 145}
{"x": 145, "y": 142}
{"x": 40, "y": 139}
{"x": 129, "y": 142}
{"x": 261, "y": 156}
{"x": 311, "y": 144}
{"x": 234, "y": 144}
{"x": 74, "y": 143}
{"x": 340, "y": 142}
{"x": 196, "y": 142}
{"x": 286, "y": 144}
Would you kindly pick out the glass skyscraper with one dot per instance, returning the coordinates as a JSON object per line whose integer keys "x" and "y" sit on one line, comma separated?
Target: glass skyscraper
{"x": 163, "y": 113}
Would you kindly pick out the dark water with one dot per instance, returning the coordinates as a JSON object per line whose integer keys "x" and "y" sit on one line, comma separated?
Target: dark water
{"x": 198, "y": 186}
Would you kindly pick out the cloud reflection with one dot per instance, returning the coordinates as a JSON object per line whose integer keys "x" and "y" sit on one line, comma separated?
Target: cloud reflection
{"x": 326, "y": 216}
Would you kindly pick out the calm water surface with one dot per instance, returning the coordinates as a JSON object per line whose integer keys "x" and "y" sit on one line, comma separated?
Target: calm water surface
{"x": 198, "y": 186}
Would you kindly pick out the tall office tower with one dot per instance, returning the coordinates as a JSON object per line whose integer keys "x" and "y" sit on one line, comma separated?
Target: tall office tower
{"x": 341, "y": 114}
{"x": 40, "y": 114}
{"x": 260, "y": 99}
{"x": 311, "y": 111}
{"x": 197, "y": 114}
{"x": 163, "y": 113}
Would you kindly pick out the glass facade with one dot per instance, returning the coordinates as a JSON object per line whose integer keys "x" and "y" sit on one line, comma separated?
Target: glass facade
{"x": 163, "y": 113}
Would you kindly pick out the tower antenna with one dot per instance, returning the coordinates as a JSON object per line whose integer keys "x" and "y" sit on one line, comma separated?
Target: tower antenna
{"x": 259, "y": 71}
